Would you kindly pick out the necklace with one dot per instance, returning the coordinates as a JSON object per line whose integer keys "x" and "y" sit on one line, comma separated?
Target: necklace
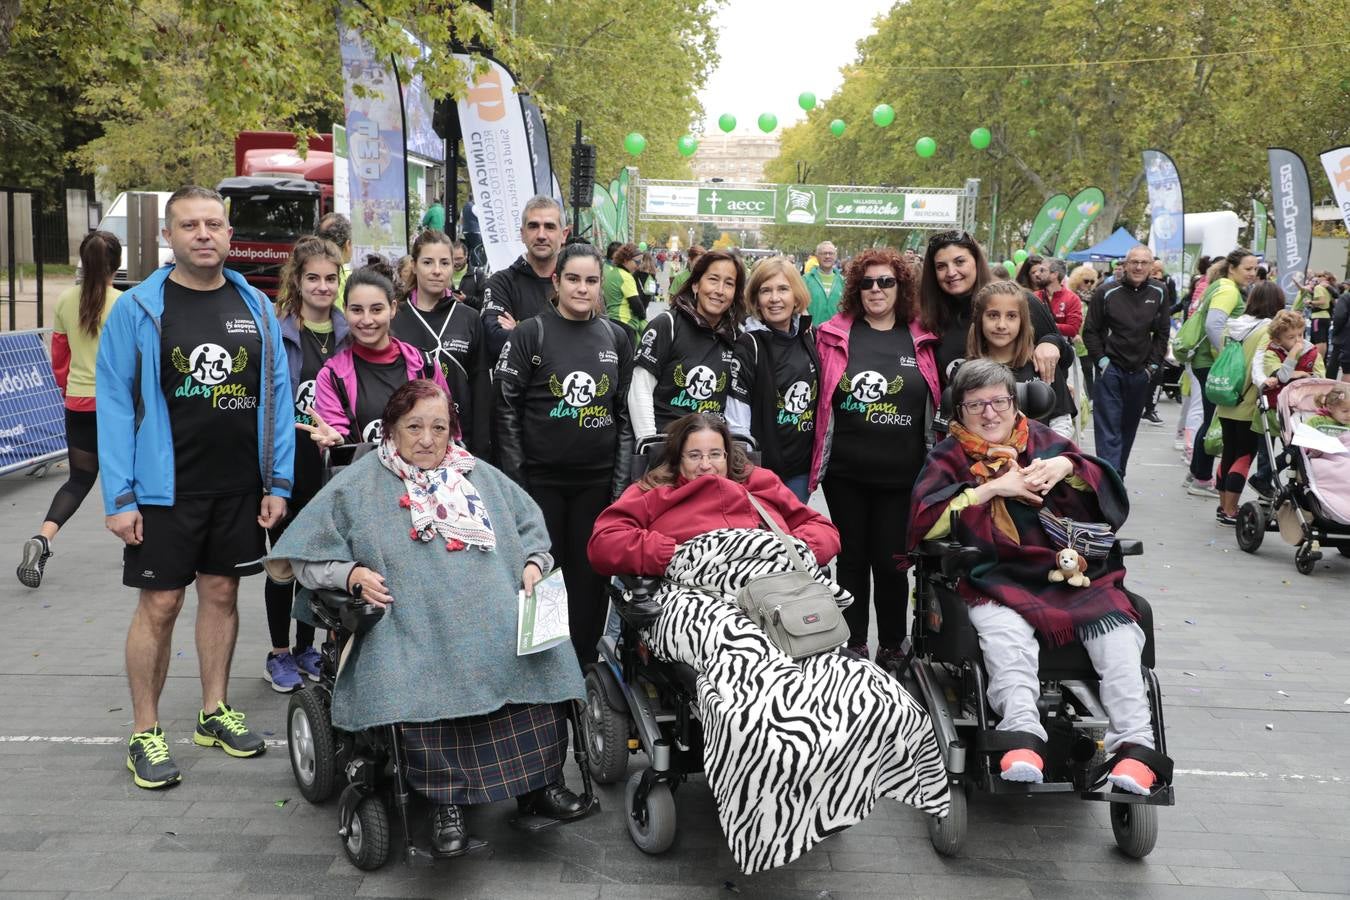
{"x": 323, "y": 343}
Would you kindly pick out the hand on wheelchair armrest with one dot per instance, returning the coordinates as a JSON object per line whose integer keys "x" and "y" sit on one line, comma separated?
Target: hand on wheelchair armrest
{"x": 955, "y": 559}
{"x": 356, "y": 615}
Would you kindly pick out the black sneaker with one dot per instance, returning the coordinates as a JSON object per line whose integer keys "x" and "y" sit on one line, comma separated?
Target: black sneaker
{"x": 1224, "y": 518}
{"x": 149, "y": 760}
{"x": 890, "y": 658}
{"x": 1151, "y": 417}
{"x": 36, "y": 551}
{"x": 225, "y": 728}
{"x": 1262, "y": 485}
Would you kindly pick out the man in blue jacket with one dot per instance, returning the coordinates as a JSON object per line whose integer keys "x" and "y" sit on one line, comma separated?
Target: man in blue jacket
{"x": 196, "y": 449}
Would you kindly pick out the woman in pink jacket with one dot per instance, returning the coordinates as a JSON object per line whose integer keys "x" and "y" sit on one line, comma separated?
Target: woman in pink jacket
{"x": 878, "y": 390}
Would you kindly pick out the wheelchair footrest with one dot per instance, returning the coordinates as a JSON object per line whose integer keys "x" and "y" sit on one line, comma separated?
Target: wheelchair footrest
{"x": 1163, "y": 795}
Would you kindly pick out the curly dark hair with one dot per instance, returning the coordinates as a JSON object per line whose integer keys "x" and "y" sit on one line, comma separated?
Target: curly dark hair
{"x": 850, "y": 303}
{"x": 667, "y": 468}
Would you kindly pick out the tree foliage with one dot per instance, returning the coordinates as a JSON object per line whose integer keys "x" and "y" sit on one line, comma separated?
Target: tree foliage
{"x": 1060, "y": 128}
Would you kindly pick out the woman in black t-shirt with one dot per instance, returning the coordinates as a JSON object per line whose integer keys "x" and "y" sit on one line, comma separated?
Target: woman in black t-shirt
{"x": 562, "y": 385}
{"x": 878, "y": 383}
{"x": 775, "y": 374}
{"x": 683, "y": 362}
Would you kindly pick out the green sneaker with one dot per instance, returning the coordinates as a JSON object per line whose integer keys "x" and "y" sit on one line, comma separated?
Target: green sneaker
{"x": 225, "y": 728}
{"x": 149, "y": 760}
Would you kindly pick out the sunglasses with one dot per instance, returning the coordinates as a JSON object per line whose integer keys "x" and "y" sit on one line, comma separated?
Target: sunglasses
{"x": 944, "y": 238}
{"x": 882, "y": 281}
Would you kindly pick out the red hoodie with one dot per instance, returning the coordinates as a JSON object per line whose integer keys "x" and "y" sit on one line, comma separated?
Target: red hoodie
{"x": 1067, "y": 309}
{"x": 638, "y": 533}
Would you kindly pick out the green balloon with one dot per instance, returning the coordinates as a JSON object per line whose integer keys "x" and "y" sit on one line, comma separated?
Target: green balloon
{"x": 883, "y": 114}
{"x": 634, "y": 143}
{"x": 1032, "y": 132}
{"x": 980, "y": 138}
{"x": 727, "y": 122}
{"x": 1010, "y": 266}
{"x": 837, "y": 127}
{"x": 806, "y": 100}
{"x": 642, "y": 245}
{"x": 687, "y": 145}
{"x": 925, "y": 147}
{"x": 767, "y": 122}
{"x": 1020, "y": 255}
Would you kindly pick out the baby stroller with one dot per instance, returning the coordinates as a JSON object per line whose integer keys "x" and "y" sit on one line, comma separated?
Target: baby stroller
{"x": 1311, "y": 505}
{"x": 1169, "y": 379}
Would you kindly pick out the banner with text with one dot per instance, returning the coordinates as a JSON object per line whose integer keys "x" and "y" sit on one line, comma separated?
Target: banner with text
{"x": 498, "y": 158}
{"x": 1046, "y": 224}
{"x": 1083, "y": 210}
{"x": 800, "y": 204}
{"x": 1166, "y": 208}
{"x": 541, "y": 160}
{"x": 1260, "y": 221}
{"x": 32, "y": 414}
{"x": 1337, "y": 165}
{"x": 1291, "y": 198}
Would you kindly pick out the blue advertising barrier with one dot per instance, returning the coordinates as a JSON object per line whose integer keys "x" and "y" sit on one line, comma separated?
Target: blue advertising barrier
{"x": 32, "y": 412}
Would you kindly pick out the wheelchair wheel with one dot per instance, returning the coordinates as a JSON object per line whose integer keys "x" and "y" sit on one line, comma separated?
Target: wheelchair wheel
{"x": 1304, "y": 561}
{"x": 367, "y": 844}
{"x": 309, "y": 735}
{"x": 1135, "y": 826}
{"x": 947, "y": 835}
{"x": 606, "y": 734}
{"x": 657, "y": 832}
{"x": 1251, "y": 526}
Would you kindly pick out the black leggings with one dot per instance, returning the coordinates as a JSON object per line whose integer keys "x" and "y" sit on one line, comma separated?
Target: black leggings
{"x": 570, "y": 512}
{"x": 82, "y": 455}
{"x": 1202, "y": 464}
{"x": 1239, "y": 445}
{"x": 872, "y": 522}
{"x": 279, "y": 599}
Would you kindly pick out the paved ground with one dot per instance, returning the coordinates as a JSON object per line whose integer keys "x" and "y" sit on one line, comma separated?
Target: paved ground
{"x": 1254, "y": 660}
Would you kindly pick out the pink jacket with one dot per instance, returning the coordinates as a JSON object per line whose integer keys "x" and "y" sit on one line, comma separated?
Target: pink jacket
{"x": 342, "y": 366}
{"x": 832, "y": 343}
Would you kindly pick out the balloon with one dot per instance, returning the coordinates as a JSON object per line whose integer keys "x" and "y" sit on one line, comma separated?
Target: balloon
{"x": 642, "y": 246}
{"x": 980, "y": 138}
{"x": 1032, "y": 132}
{"x": 925, "y": 147}
{"x": 727, "y": 122}
{"x": 634, "y": 143}
{"x": 1020, "y": 256}
{"x": 1011, "y": 267}
{"x": 806, "y": 100}
{"x": 687, "y": 145}
{"x": 883, "y": 115}
{"x": 767, "y": 122}
{"x": 837, "y": 127}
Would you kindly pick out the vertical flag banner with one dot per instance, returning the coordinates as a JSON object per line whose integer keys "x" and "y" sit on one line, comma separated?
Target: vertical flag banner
{"x": 1291, "y": 197}
{"x": 1337, "y": 165}
{"x": 1046, "y": 225}
{"x": 1260, "y": 221}
{"x": 541, "y": 161}
{"x": 497, "y": 155}
{"x": 1083, "y": 210}
{"x": 377, "y": 173}
{"x": 1166, "y": 209}
{"x": 419, "y": 109}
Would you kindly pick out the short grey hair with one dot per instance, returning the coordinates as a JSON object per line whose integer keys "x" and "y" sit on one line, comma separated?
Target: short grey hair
{"x": 189, "y": 192}
{"x": 825, "y": 243}
{"x": 539, "y": 201}
{"x": 975, "y": 374}
{"x": 1058, "y": 267}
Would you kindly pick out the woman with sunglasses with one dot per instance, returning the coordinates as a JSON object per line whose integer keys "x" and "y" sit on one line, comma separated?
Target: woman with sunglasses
{"x": 878, "y": 390}
{"x": 1083, "y": 281}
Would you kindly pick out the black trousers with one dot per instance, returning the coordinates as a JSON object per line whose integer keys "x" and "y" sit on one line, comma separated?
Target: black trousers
{"x": 1202, "y": 464}
{"x": 279, "y": 597}
{"x": 872, "y": 523}
{"x": 570, "y": 512}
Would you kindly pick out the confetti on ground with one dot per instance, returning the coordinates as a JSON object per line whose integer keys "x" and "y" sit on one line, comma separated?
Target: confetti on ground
{"x": 1192, "y": 674}
{"x": 1282, "y": 693}
{"x": 1270, "y": 726}
{"x": 282, "y": 802}
{"x": 1190, "y": 621}
{"x": 114, "y": 709}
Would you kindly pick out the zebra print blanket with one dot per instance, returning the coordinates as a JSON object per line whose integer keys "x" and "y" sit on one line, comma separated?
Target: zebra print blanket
{"x": 794, "y": 751}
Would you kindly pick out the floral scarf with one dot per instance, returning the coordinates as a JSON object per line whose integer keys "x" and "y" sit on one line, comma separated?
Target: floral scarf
{"x": 988, "y": 461}
{"x": 442, "y": 501}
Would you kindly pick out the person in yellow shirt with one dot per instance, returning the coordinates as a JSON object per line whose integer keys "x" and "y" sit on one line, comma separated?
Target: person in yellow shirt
{"x": 80, "y": 312}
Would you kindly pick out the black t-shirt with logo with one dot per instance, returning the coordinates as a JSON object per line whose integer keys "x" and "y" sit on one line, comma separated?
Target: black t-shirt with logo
{"x": 211, "y": 375}
{"x": 880, "y": 407}
{"x": 796, "y": 384}
{"x": 375, "y": 384}
{"x": 692, "y": 366}
{"x": 452, "y": 334}
{"x": 315, "y": 348}
{"x": 575, "y": 378}
{"x": 951, "y": 348}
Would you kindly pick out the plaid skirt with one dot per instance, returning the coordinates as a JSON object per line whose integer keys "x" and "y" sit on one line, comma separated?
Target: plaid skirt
{"x": 483, "y": 759}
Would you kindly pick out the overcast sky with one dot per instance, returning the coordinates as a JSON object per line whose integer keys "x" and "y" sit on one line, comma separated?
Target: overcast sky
{"x": 771, "y": 52}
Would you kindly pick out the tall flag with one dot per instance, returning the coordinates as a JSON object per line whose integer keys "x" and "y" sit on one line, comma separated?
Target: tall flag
{"x": 1083, "y": 210}
{"x": 1046, "y": 224}
{"x": 1291, "y": 196}
{"x": 1166, "y": 209}
{"x": 498, "y": 156}
{"x": 1260, "y": 221}
{"x": 1337, "y": 165}
{"x": 541, "y": 160}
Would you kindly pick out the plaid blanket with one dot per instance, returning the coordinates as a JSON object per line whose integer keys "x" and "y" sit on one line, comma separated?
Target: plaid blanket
{"x": 1017, "y": 575}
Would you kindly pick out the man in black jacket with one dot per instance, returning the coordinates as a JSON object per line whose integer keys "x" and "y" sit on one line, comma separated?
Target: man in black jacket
{"x": 1338, "y": 351}
{"x": 522, "y": 290}
{"x": 1126, "y": 336}
{"x": 467, "y": 281}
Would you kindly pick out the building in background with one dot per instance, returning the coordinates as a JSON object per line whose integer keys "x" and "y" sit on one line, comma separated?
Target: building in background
{"x": 733, "y": 157}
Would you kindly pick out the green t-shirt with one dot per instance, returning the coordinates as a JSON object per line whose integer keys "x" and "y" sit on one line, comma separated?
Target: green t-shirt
{"x": 1225, "y": 297}
{"x": 434, "y": 218}
{"x": 826, "y": 280}
{"x": 618, "y": 285}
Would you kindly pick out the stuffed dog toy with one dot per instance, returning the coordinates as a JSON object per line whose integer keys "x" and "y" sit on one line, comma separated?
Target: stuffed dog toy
{"x": 1072, "y": 568}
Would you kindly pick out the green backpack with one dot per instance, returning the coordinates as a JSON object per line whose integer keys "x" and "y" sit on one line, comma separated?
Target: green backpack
{"x": 1192, "y": 332}
{"x": 1228, "y": 377}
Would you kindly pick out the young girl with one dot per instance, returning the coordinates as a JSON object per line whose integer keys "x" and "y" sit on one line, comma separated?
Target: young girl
{"x": 1001, "y": 315}
{"x": 1333, "y": 412}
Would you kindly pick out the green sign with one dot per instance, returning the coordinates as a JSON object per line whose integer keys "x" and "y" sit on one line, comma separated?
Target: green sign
{"x": 1045, "y": 227}
{"x": 799, "y": 204}
{"x": 736, "y": 203}
{"x": 853, "y": 206}
{"x": 1083, "y": 209}
{"x": 1258, "y": 228}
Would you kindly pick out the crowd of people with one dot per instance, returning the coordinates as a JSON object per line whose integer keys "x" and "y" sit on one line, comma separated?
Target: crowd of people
{"x": 506, "y": 411}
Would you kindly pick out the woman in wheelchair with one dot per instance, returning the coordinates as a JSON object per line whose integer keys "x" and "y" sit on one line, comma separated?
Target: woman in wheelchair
{"x": 983, "y": 486}
{"x": 478, "y": 723}
{"x": 794, "y": 750}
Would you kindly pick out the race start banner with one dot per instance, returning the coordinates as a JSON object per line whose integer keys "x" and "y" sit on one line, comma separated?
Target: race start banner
{"x": 1046, "y": 224}
{"x": 1260, "y": 221}
{"x": 1166, "y": 209}
{"x": 1337, "y": 165}
{"x": 498, "y": 157}
{"x": 32, "y": 413}
{"x": 802, "y": 204}
{"x": 1083, "y": 210}
{"x": 1291, "y": 197}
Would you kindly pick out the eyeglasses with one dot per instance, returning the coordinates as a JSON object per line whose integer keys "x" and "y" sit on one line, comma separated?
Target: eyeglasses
{"x": 943, "y": 238}
{"x": 696, "y": 457}
{"x": 997, "y": 404}
{"x": 882, "y": 281}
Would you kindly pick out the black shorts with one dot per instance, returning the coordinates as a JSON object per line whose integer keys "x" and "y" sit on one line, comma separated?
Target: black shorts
{"x": 82, "y": 430}
{"x": 206, "y": 535}
{"x": 1321, "y": 330}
